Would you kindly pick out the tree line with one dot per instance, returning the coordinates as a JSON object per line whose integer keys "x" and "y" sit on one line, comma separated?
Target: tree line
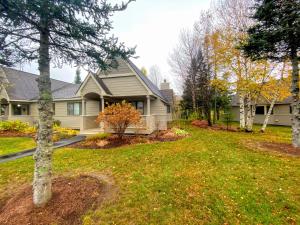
{"x": 237, "y": 49}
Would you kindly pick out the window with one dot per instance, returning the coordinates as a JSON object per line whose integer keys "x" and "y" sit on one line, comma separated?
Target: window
{"x": 168, "y": 109}
{"x": 139, "y": 106}
{"x": 260, "y": 110}
{"x": 74, "y": 109}
{"x": 53, "y": 108}
{"x": 20, "y": 109}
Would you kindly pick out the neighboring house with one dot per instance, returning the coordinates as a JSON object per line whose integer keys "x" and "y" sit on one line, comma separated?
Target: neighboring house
{"x": 281, "y": 113}
{"x": 77, "y": 106}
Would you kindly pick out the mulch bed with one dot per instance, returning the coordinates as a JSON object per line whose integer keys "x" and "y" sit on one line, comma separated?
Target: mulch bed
{"x": 113, "y": 141}
{"x": 204, "y": 124}
{"x": 71, "y": 198}
{"x": 14, "y": 134}
{"x": 284, "y": 148}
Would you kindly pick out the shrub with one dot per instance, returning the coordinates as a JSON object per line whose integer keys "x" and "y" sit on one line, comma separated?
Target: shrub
{"x": 66, "y": 131}
{"x": 56, "y": 123}
{"x": 119, "y": 116}
{"x": 179, "y": 132}
{"x": 30, "y": 130}
{"x": 62, "y": 133}
{"x": 98, "y": 137}
{"x": 13, "y": 125}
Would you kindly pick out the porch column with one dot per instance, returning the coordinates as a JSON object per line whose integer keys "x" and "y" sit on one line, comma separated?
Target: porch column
{"x": 83, "y": 112}
{"x": 148, "y": 105}
{"x": 102, "y": 103}
{"x": 102, "y": 110}
{"x": 83, "y": 108}
{"x": 148, "y": 119}
{"x": 9, "y": 109}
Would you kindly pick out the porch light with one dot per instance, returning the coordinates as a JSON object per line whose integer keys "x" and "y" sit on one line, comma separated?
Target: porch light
{"x": 19, "y": 105}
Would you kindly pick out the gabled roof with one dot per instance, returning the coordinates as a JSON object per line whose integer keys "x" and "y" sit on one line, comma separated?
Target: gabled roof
{"x": 153, "y": 88}
{"x": 169, "y": 95}
{"x": 102, "y": 84}
{"x": 23, "y": 86}
{"x": 98, "y": 80}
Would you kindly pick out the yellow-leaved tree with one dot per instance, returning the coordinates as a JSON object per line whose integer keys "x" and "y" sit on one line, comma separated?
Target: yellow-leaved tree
{"x": 276, "y": 89}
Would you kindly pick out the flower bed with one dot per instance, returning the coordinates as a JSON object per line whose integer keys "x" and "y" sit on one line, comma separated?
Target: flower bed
{"x": 107, "y": 141}
{"x": 204, "y": 124}
{"x": 16, "y": 128}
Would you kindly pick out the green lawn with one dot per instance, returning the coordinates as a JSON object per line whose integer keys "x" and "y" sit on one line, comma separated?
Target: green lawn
{"x": 208, "y": 178}
{"x": 10, "y": 145}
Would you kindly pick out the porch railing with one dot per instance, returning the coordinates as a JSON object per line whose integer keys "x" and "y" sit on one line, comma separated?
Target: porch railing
{"x": 3, "y": 118}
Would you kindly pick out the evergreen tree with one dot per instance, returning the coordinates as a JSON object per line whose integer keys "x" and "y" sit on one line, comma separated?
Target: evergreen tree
{"x": 276, "y": 36}
{"x": 77, "y": 79}
{"x": 59, "y": 32}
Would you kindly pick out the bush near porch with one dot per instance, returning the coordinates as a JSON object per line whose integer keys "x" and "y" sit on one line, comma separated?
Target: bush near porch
{"x": 119, "y": 116}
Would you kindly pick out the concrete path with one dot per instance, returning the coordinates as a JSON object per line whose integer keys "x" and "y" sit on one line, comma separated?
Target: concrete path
{"x": 29, "y": 152}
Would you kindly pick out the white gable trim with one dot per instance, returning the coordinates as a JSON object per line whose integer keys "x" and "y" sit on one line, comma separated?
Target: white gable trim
{"x": 116, "y": 75}
{"x": 3, "y": 89}
{"x": 78, "y": 93}
{"x": 6, "y": 96}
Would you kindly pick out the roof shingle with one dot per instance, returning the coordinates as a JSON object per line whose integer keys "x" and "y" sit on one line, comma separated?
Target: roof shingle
{"x": 23, "y": 86}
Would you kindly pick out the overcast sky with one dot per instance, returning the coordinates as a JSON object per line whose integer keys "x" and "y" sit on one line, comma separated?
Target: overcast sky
{"x": 151, "y": 25}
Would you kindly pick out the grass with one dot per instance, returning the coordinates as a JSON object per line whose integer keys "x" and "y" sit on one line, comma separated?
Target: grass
{"x": 10, "y": 145}
{"x": 207, "y": 178}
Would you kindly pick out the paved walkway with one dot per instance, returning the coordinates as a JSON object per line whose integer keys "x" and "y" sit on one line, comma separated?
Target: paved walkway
{"x": 29, "y": 152}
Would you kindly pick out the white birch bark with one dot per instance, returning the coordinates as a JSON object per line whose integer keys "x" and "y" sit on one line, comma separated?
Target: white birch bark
{"x": 264, "y": 126}
{"x": 248, "y": 114}
{"x": 242, "y": 111}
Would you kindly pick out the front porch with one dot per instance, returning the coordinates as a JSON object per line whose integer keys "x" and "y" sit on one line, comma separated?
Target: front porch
{"x": 142, "y": 103}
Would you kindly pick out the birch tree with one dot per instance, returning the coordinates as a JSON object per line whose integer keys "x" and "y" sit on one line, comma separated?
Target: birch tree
{"x": 247, "y": 76}
{"x": 276, "y": 36}
{"x": 276, "y": 89}
{"x": 59, "y": 32}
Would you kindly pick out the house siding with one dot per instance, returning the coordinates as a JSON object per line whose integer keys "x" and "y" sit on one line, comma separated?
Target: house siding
{"x": 281, "y": 116}
{"x": 92, "y": 107}
{"x": 158, "y": 107}
{"x": 125, "y": 86}
{"x": 282, "y": 109}
{"x": 90, "y": 87}
{"x": 61, "y": 114}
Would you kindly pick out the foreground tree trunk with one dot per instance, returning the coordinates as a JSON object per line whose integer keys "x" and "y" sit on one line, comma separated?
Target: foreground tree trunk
{"x": 242, "y": 111}
{"x": 296, "y": 103}
{"x": 268, "y": 115}
{"x": 43, "y": 155}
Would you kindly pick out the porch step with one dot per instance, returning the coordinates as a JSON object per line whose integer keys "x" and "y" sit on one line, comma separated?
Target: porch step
{"x": 90, "y": 132}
